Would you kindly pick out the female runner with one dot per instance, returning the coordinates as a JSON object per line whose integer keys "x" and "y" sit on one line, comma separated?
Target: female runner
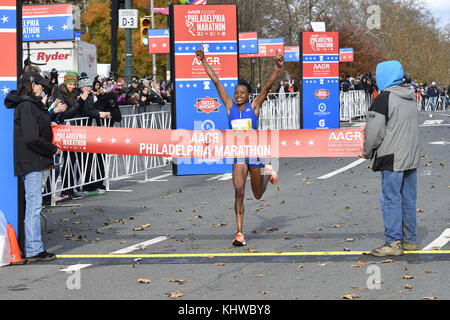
{"x": 243, "y": 115}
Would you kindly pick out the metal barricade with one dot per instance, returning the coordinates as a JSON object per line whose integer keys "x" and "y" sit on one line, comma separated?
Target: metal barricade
{"x": 77, "y": 169}
{"x": 280, "y": 114}
{"x": 354, "y": 104}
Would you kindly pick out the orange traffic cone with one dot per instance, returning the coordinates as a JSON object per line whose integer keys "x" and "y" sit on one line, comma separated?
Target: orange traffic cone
{"x": 16, "y": 257}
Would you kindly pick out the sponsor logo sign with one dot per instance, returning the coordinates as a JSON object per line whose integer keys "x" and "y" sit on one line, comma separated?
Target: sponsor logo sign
{"x": 197, "y": 102}
{"x": 320, "y": 72}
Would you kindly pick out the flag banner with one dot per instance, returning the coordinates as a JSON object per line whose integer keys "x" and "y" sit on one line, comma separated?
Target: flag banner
{"x": 267, "y": 47}
{"x": 47, "y": 22}
{"x": 320, "y": 80}
{"x": 164, "y": 11}
{"x": 211, "y": 144}
{"x": 346, "y": 55}
{"x": 8, "y": 82}
{"x": 248, "y": 42}
{"x": 292, "y": 54}
{"x": 158, "y": 41}
{"x": 197, "y": 104}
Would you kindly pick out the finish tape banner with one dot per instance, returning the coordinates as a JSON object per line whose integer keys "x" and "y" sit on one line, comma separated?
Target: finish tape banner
{"x": 227, "y": 144}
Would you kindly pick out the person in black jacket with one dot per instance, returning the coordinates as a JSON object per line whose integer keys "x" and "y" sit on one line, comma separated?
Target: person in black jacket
{"x": 33, "y": 152}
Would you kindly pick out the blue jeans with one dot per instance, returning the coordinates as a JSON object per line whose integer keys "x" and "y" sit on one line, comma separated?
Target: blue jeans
{"x": 398, "y": 202}
{"x": 433, "y": 101}
{"x": 33, "y": 207}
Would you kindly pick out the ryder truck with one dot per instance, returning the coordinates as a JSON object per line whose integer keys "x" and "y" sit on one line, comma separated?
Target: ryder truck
{"x": 67, "y": 55}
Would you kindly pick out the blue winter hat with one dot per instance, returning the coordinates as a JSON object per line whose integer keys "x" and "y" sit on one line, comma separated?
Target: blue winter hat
{"x": 389, "y": 73}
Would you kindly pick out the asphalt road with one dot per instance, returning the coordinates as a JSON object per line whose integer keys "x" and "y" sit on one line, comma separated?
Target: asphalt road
{"x": 194, "y": 215}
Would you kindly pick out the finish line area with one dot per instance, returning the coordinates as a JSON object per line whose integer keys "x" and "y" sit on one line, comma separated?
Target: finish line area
{"x": 246, "y": 257}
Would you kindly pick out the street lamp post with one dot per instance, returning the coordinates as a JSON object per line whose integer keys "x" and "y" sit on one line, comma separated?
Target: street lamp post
{"x": 128, "y": 69}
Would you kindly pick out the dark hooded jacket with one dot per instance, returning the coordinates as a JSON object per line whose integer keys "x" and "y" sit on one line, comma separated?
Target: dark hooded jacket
{"x": 71, "y": 100}
{"x": 33, "y": 148}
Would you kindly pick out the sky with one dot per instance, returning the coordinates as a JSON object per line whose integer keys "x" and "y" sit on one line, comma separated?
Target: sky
{"x": 440, "y": 9}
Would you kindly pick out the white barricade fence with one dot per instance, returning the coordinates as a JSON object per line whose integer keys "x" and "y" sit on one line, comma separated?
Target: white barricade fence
{"x": 280, "y": 114}
{"x": 78, "y": 169}
{"x": 354, "y": 104}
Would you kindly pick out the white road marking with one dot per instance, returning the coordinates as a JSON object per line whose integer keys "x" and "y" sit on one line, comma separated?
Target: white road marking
{"x": 433, "y": 121}
{"x": 140, "y": 245}
{"x": 351, "y": 165}
{"x": 132, "y": 248}
{"x": 158, "y": 178}
{"x": 439, "y": 142}
{"x": 439, "y": 242}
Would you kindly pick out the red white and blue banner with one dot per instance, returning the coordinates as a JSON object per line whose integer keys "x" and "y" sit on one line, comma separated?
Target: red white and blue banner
{"x": 319, "y": 72}
{"x": 267, "y": 47}
{"x": 346, "y": 55}
{"x": 248, "y": 42}
{"x": 197, "y": 104}
{"x": 292, "y": 54}
{"x": 210, "y": 144}
{"x": 8, "y": 82}
{"x": 158, "y": 41}
{"x": 47, "y": 22}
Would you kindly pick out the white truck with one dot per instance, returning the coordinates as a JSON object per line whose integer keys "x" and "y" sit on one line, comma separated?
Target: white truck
{"x": 67, "y": 55}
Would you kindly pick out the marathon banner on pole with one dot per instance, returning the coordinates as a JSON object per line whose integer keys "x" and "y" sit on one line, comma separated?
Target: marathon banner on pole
{"x": 292, "y": 54}
{"x": 267, "y": 47}
{"x": 197, "y": 105}
{"x": 158, "y": 41}
{"x": 248, "y": 42}
{"x": 346, "y": 55}
{"x": 222, "y": 144}
{"x": 319, "y": 73}
{"x": 47, "y": 22}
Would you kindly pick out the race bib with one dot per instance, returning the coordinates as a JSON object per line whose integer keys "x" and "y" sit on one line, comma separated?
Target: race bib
{"x": 241, "y": 124}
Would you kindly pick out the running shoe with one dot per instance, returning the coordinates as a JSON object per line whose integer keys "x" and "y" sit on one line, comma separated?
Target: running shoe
{"x": 239, "y": 240}
{"x": 273, "y": 175}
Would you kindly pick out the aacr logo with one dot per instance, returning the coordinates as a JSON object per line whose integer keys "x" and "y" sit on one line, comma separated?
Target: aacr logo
{"x": 348, "y": 136}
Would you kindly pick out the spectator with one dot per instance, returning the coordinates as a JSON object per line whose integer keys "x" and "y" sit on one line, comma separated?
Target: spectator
{"x": 33, "y": 153}
{"x": 432, "y": 94}
{"x": 391, "y": 140}
{"x": 86, "y": 101}
{"x": 281, "y": 90}
{"x": 155, "y": 95}
{"x": 67, "y": 95}
{"x": 132, "y": 96}
{"x": 257, "y": 89}
{"x": 346, "y": 84}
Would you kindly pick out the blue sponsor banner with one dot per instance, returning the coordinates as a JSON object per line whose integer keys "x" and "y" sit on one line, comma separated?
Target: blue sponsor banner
{"x": 47, "y": 22}
{"x": 199, "y": 115}
{"x": 321, "y": 105}
{"x": 320, "y": 80}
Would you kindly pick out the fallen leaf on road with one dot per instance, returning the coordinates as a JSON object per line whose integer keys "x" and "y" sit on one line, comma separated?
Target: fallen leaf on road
{"x": 408, "y": 286}
{"x": 219, "y": 264}
{"x": 430, "y": 271}
{"x": 407, "y": 277}
{"x": 347, "y": 249}
{"x": 258, "y": 275}
{"x": 419, "y": 210}
{"x": 144, "y": 280}
{"x": 387, "y": 261}
{"x": 264, "y": 292}
{"x": 349, "y": 239}
{"x": 269, "y": 229}
{"x": 250, "y": 250}
{"x": 180, "y": 281}
{"x": 351, "y": 296}
{"x": 429, "y": 298}
{"x": 359, "y": 288}
{"x": 174, "y": 295}
{"x": 336, "y": 226}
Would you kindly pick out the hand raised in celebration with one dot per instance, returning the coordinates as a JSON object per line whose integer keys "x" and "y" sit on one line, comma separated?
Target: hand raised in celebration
{"x": 200, "y": 53}
{"x": 280, "y": 59}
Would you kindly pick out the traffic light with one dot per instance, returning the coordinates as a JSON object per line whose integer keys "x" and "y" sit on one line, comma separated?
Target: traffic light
{"x": 144, "y": 25}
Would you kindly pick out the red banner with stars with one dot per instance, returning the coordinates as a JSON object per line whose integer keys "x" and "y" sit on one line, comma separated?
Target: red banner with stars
{"x": 211, "y": 144}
